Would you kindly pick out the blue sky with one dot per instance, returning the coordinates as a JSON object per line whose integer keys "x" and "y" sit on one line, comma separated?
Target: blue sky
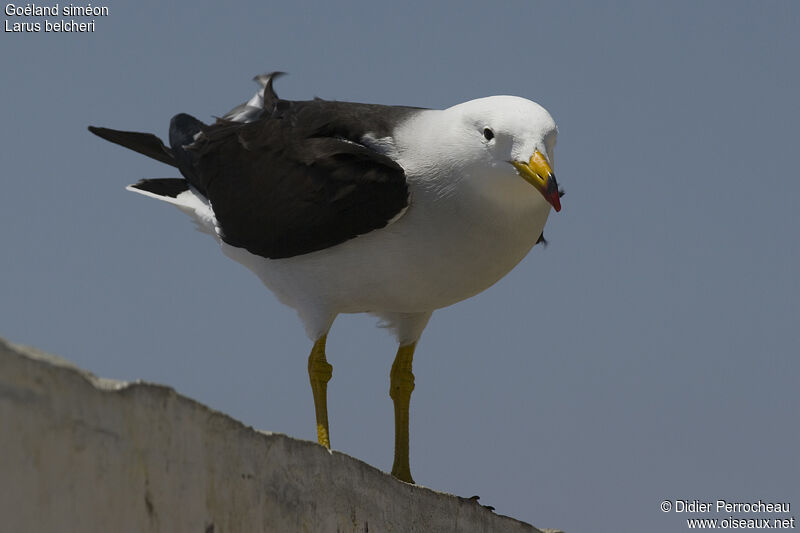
{"x": 648, "y": 353}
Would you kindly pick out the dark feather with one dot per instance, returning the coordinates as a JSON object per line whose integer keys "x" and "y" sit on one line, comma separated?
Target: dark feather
{"x": 266, "y": 81}
{"x": 300, "y": 179}
{"x": 245, "y": 112}
{"x": 182, "y": 131}
{"x": 144, "y": 143}
{"x": 171, "y": 187}
{"x": 541, "y": 240}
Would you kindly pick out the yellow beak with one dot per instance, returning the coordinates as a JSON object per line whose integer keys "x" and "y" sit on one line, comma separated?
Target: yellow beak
{"x": 538, "y": 173}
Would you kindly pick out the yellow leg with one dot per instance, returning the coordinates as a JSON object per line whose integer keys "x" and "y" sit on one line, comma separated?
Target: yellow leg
{"x": 319, "y": 373}
{"x": 401, "y": 385}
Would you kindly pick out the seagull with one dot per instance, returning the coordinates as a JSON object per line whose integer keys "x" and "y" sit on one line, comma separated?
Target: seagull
{"x": 342, "y": 207}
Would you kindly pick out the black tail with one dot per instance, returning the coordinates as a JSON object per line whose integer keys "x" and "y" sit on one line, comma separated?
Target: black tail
{"x": 144, "y": 143}
{"x": 182, "y": 131}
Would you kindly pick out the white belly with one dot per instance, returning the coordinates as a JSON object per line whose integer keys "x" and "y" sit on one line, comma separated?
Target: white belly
{"x": 437, "y": 254}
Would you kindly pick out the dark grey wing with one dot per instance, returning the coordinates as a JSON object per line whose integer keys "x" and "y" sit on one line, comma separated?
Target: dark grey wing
{"x": 297, "y": 180}
{"x": 285, "y": 178}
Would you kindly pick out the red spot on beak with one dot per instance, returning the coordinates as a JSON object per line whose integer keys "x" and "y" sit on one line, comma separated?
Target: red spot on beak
{"x": 555, "y": 201}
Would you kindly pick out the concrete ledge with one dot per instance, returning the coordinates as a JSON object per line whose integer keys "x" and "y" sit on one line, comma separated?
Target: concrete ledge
{"x": 80, "y": 453}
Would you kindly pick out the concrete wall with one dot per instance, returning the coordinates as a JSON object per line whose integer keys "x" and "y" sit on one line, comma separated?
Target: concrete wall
{"x": 80, "y": 453}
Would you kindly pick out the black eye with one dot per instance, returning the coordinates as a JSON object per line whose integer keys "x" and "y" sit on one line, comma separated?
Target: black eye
{"x": 488, "y": 134}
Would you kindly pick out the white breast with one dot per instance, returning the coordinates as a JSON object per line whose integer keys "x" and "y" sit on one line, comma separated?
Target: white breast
{"x": 442, "y": 251}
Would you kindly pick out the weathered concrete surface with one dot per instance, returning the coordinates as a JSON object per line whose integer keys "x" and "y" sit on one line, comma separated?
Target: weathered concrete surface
{"x": 80, "y": 453}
